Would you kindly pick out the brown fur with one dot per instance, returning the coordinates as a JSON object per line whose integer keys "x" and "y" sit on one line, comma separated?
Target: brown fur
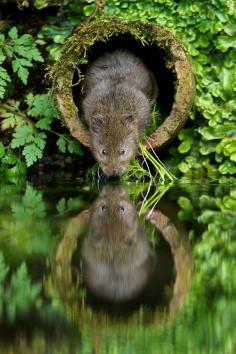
{"x": 116, "y": 105}
{"x": 115, "y": 251}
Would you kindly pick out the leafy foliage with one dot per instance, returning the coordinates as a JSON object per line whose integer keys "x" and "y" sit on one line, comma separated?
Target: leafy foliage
{"x": 30, "y": 129}
{"x": 21, "y": 294}
{"x": 66, "y": 143}
{"x": 54, "y": 36}
{"x": 21, "y": 51}
{"x": 24, "y": 226}
{"x": 67, "y": 205}
{"x": 217, "y": 217}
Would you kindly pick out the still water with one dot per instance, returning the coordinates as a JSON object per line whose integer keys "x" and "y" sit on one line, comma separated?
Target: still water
{"x": 118, "y": 268}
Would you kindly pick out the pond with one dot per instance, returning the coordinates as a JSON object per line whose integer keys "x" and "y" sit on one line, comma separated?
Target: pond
{"x": 133, "y": 268}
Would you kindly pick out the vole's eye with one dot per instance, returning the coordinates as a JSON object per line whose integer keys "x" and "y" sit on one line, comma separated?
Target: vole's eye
{"x": 128, "y": 242}
{"x": 122, "y": 151}
{"x": 127, "y": 119}
{"x": 104, "y": 208}
{"x": 97, "y": 237}
{"x": 104, "y": 152}
{"x": 121, "y": 209}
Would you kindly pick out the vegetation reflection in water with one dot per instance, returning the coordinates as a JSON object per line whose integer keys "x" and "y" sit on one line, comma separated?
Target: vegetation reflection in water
{"x": 55, "y": 246}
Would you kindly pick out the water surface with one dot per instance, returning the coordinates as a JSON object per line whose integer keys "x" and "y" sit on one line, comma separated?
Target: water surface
{"x": 118, "y": 268}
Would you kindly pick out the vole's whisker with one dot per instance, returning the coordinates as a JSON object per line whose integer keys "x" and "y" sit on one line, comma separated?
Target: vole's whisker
{"x": 146, "y": 163}
{"x": 154, "y": 153}
{"x": 150, "y": 183}
{"x": 153, "y": 207}
{"x": 146, "y": 196}
{"x": 103, "y": 178}
{"x": 99, "y": 178}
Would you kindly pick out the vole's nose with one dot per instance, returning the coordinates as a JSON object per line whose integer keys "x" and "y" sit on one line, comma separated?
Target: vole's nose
{"x": 114, "y": 175}
{"x": 114, "y": 172}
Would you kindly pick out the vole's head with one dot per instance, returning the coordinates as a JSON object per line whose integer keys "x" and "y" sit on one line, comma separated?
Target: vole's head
{"x": 116, "y": 115}
{"x": 113, "y": 219}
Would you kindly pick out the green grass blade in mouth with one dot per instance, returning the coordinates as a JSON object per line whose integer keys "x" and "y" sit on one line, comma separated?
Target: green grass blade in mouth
{"x": 158, "y": 165}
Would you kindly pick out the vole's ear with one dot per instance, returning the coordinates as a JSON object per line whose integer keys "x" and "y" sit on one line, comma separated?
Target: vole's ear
{"x": 127, "y": 119}
{"x": 97, "y": 122}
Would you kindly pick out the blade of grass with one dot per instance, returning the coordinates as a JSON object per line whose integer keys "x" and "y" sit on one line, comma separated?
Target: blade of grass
{"x": 158, "y": 165}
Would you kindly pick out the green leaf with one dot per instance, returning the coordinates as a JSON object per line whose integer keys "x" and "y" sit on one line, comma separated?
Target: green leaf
{"x": 61, "y": 143}
{"x": 13, "y": 33}
{"x": 229, "y": 203}
{"x": 61, "y": 205}
{"x": 22, "y": 294}
{"x": 35, "y": 54}
{"x": 32, "y": 205}
{"x": 233, "y": 193}
{"x": 206, "y": 201}
{"x": 2, "y": 150}
{"x": 4, "y": 79}
{"x": 32, "y": 153}
{"x": 233, "y": 157}
{"x": 2, "y": 38}
{"x": 22, "y": 73}
{"x": 226, "y": 42}
{"x": 19, "y": 169}
{"x": 183, "y": 167}
{"x": 204, "y": 26}
{"x": 21, "y": 136}
{"x": 2, "y": 56}
{"x": 208, "y": 216}
{"x": 227, "y": 81}
{"x": 89, "y": 9}
{"x": 52, "y": 31}
{"x": 207, "y": 147}
{"x": 44, "y": 123}
{"x": 230, "y": 148}
{"x": 228, "y": 167}
{"x": 10, "y": 158}
{"x": 3, "y": 269}
{"x": 21, "y": 62}
{"x": 40, "y": 140}
{"x": 9, "y": 121}
{"x": 25, "y": 52}
{"x": 74, "y": 147}
{"x": 40, "y": 4}
{"x": 185, "y": 203}
{"x": 43, "y": 106}
{"x": 217, "y": 132}
{"x": 185, "y": 146}
{"x": 54, "y": 51}
{"x": 4, "y": 76}
{"x": 25, "y": 40}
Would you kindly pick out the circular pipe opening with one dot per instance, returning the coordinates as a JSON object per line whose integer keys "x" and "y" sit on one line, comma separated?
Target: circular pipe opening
{"x": 161, "y": 52}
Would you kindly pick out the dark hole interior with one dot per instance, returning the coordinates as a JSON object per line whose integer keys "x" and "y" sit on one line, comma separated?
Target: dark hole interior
{"x": 154, "y": 58}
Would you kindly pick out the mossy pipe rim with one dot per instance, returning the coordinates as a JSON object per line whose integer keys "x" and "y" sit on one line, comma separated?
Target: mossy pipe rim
{"x": 75, "y": 52}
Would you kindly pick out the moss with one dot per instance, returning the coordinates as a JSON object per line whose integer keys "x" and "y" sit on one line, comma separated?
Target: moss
{"x": 101, "y": 30}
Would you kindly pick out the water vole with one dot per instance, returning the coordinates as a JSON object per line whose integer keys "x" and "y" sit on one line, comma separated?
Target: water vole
{"x": 118, "y": 89}
{"x": 116, "y": 257}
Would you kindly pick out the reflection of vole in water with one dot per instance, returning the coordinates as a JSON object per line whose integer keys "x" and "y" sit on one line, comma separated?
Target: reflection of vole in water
{"x": 118, "y": 89}
{"x": 115, "y": 252}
